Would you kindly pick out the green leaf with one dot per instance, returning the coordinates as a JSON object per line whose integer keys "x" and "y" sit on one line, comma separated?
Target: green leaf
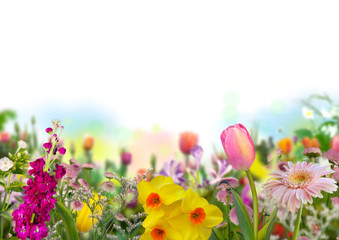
{"x": 67, "y": 219}
{"x": 2, "y": 184}
{"x": 325, "y": 141}
{"x": 243, "y": 217}
{"x": 303, "y": 132}
{"x": 16, "y": 186}
{"x": 213, "y": 236}
{"x": 265, "y": 232}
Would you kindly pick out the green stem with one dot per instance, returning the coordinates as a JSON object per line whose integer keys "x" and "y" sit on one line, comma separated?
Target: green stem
{"x": 2, "y": 228}
{"x": 255, "y": 205}
{"x": 296, "y": 229}
{"x": 286, "y": 233}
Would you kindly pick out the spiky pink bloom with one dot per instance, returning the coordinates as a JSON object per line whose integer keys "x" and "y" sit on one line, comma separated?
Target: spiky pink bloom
{"x": 300, "y": 182}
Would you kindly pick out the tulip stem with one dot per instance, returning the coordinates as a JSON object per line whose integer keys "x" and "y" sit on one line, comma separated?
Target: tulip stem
{"x": 255, "y": 205}
{"x": 296, "y": 229}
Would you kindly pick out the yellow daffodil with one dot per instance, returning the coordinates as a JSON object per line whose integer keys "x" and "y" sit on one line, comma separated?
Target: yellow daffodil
{"x": 160, "y": 192}
{"x": 84, "y": 221}
{"x": 259, "y": 170}
{"x": 195, "y": 217}
{"x": 160, "y": 229}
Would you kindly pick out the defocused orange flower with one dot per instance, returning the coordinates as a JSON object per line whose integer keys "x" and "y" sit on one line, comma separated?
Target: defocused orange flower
{"x": 142, "y": 172}
{"x": 88, "y": 143}
{"x": 308, "y": 143}
{"x": 285, "y": 144}
{"x": 187, "y": 141}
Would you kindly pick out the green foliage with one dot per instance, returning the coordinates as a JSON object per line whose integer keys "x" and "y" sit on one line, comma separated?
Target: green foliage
{"x": 67, "y": 219}
{"x": 243, "y": 217}
{"x": 5, "y": 116}
{"x": 265, "y": 232}
{"x": 303, "y": 132}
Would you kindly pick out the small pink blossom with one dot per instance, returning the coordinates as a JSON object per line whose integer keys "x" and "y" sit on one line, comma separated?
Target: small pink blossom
{"x": 77, "y": 205}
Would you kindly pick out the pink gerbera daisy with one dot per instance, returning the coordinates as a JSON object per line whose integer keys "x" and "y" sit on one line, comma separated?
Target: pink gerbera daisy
{"x": 300, "y": 182}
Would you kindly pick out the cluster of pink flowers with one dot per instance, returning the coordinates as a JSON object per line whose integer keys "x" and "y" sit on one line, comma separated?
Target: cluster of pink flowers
{"x": 30, "y": 218}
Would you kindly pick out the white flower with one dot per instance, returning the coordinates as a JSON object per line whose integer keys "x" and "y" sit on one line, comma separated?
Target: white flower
{"x": 5, "y": 164}
{"x": 325, "y": 113}
{"x": 22, "y": 144}
{"x": 308, "y": 113}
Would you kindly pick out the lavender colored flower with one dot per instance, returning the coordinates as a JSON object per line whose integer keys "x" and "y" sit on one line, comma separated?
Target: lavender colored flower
{"x": 76, "y": 167}
{"x": 223, "y": 169}
{"x": 197, "y": 153}
{"x": 173, "y": 170}
{"x": 332, "y": 156}
{"x": 74, "y": 185}
{"x": 77, "y": 205}
{"x": 312, "y": 152}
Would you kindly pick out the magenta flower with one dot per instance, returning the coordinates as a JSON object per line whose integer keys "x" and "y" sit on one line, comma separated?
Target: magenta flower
{"x": 60, "y": 171}
{"x": 49, "y": 130}
{"x": 238, "y": 146}
{"x": 62, "y": 150}
{"x": 300, "y": 183}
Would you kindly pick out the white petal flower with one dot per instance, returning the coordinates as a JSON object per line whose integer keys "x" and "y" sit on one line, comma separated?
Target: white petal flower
{"x": 308, "y": 113}
{"x": 22, "y": 144}
{"x": 5, "y": 164}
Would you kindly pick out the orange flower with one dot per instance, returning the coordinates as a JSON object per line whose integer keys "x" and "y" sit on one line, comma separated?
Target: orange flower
{"x": 285, "y": 145}
{"x": 308, "y": 143}
{"x": 187, "y": 141}
{"x": 142, "y": 172}
{"x": 88, "y": 143}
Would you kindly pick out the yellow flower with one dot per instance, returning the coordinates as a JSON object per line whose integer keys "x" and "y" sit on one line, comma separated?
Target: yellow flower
{"x": 84, "y": 221}
{"x": 259, "y": 170}
{"x": 195, "y": 217}
{"x": 160, "y": 229}
{"x": 157, "y": 194}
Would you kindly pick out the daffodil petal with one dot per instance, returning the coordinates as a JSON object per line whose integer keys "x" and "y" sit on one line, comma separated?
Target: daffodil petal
{"x": 144, "y": 189}
{"x": 160, "y": 180}
{"x": 192, "y": 201}
{"x": 170, "y": 193}
{"x": 204, "y": 233}
{"x": 154, "y": 213}
{"x": 214, "y": 216}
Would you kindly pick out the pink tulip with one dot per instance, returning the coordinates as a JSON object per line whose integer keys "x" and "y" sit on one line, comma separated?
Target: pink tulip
{"x": 238, "y": 146}
{"x": 335, "y": 143}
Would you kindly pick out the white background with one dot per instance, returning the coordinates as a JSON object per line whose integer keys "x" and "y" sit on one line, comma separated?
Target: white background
{"x": 165, "y": 62}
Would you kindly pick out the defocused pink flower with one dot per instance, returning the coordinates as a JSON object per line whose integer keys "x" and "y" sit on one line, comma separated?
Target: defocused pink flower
{"x": 335, "y": 175}
{"x": 108, "y": 186}
{"x": 75, "y": 167}
{"x": 222, "y": 197}
{"x": 4, "y": 137}
{"x": 312, "y": 152}
{"x": 77, "y": 205}
{"x": 74, "y": 185}
{"x": 332, "y": 156}
{"x": 88, "y": 166}
{"x": 300, "y": 182}
{"x": 234, "y": 217}
{"x": 109, "y": 175}
{"x": 335, "y": 143}
{"x": 231, "y": 181}
{"x": 83, "y": 183}
{"x": 187, "y": 141}
{"x": 335, "y": 201}
{"x": 238, "y": 146}
{"x": 126, "y": 158}
{"x": 223, "y": 169}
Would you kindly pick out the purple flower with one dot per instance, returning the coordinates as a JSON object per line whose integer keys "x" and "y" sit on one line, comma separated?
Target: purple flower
{"x": 197, "y": 153}
{"x": 173, "y": 170}
{"x": 245, "y": 195}
{"x": 223, "y": 169}
{"x": 47, "y": 146}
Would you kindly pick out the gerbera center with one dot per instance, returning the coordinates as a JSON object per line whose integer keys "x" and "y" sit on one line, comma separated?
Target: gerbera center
{"x": 153, "y": 200}
{"x": 299, "y": 177}
{"x": 198, "y": 216}
{"x": 158, "y": 234}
